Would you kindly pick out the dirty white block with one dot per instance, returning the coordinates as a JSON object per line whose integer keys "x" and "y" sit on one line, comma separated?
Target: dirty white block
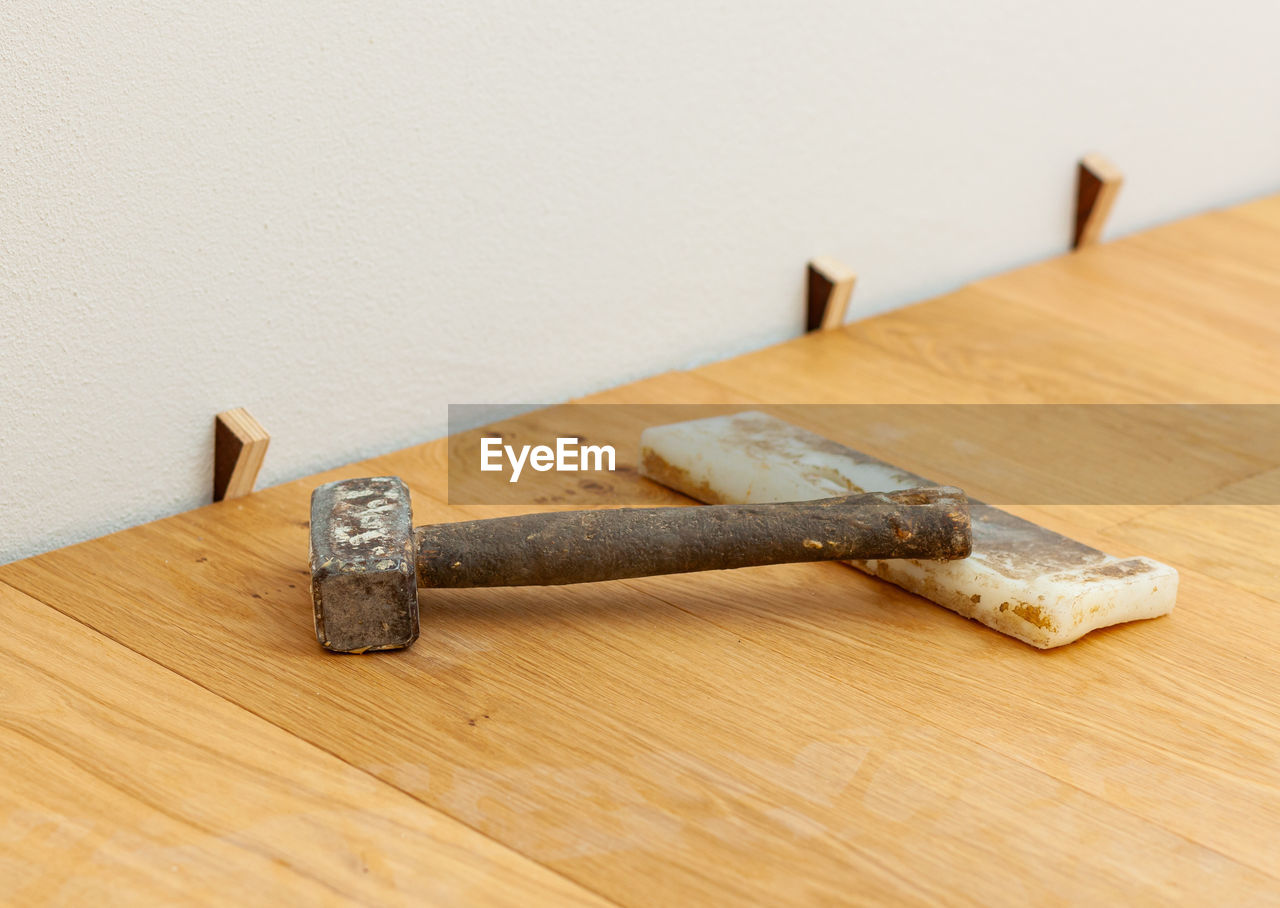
{"x": 1022, "y": 579}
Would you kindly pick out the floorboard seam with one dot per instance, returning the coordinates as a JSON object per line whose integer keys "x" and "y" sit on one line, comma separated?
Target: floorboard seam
{"x": 1148, "y": 820}
{"x": 319, "y": 747}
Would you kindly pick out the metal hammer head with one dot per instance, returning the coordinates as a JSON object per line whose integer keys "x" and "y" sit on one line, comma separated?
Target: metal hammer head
{"x": 363, "y": 578}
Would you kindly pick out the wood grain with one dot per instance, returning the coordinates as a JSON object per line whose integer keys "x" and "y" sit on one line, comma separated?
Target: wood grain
{"x": 239, "y": 446}
{"x": 1264, "y": 212}
{"x": 1234, "y": 543}
{"x": 764, "y": 780}
{"x": 974, "y": 347}
{"x": 125, "y": 784}
{"x": 1098, "y": 182}
{"x": 1151, "y": 294}
{"x": 830, "y": 285}
{"x": 1109, "y": 702}
{"x": 790, "y": 734}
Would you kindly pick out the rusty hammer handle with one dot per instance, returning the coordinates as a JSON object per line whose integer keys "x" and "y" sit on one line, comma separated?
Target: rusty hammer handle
{"x": 583, "y": 546}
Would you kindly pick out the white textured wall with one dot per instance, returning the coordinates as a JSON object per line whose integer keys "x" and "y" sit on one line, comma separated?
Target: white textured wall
{"x": 345, "y": 215}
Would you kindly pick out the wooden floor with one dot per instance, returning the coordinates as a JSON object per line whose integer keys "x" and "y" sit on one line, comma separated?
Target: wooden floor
{"x": 170, "y": 731}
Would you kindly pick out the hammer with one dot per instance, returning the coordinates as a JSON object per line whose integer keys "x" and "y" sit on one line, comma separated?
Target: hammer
{"x": 367, "y": 561}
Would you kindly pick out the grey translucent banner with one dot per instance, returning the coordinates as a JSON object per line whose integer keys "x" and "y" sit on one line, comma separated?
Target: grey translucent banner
{"x": 1003, "y": 454}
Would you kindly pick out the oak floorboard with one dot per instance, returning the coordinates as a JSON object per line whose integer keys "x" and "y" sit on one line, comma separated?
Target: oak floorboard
{"x": 126, "y": 784}
{"x": 604, "y": 730}
{"x": 1208, "y": 727}
{"x": 776, "y": 735}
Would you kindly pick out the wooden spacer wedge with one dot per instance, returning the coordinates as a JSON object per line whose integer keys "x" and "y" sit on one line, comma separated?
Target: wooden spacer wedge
{"x": 239, "y": 445}
{"x": 1098, "y": 181}
{"x": 830, "y": 286}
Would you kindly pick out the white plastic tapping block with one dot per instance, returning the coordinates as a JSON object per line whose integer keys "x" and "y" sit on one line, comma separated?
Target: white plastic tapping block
{"x": 1022, "y": 579}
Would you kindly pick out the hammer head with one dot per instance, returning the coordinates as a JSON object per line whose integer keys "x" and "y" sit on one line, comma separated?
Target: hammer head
{"x": 363, "y": 578}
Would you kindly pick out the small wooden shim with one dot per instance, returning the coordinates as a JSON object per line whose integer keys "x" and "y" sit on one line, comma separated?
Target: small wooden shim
{"x": 239, "y": 445}
{"x": 830, "y": 286}
{"x": 1098, "y": 183}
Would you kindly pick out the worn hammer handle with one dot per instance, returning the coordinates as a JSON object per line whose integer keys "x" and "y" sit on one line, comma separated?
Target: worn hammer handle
{"x": 582, "y": 546}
